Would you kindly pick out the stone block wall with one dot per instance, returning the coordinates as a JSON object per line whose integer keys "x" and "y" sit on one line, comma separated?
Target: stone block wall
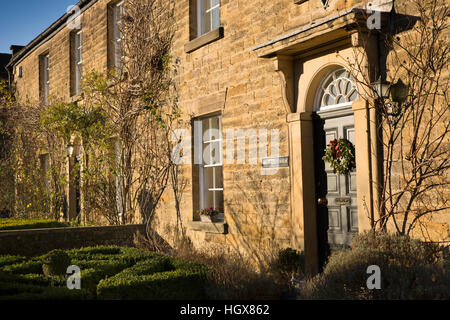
{"x": 226, "y": 76}
{"x": 40, "y": 241}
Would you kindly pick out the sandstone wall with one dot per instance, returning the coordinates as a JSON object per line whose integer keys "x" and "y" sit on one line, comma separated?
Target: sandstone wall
{"x": 223, "y": 76}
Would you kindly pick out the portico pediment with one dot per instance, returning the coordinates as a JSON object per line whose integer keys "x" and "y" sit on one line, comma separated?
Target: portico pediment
{"x": 333, "y": 31}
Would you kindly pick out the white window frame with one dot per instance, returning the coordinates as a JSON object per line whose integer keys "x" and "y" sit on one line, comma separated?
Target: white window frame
{"x": 201, "y": 12}
{"x": 78, "y": 52}
{"x": 117, "y": 35}
{"x": 203, "y": 166}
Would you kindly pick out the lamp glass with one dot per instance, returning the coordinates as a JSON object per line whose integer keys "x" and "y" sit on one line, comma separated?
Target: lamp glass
{"x": 384, "y": 89}
{"x": 381, "y": 88}
{"x": 69, "y": 150}
{"x": 399, "y": 91}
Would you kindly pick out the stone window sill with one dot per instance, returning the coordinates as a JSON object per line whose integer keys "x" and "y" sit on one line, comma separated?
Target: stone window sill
{"x": 203, "y": 40}
{"x": 209, "y": 227}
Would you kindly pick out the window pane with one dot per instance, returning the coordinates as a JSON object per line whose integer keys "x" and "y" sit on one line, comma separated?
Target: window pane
{"x": 216, "y": 18}
{"x": 76, "y": 41}
{"x": 340, "y": 73}
{"x": 118, "y": 12}
{"x": 78, "y": 78}
{"x": 333, "y": 90}
{"x": 328, "y": 100}
{"x": 46, "y": 79}
{"x": 216, "y": 152}
{"x": 209, "y": 199}
{"x": 205, "y": 127}
{"x": 214, "y": 199}
{"x": 215, "y": 128}
{"x": 209, "y": 178}
{"x": 206, "y": 22}
{"x": 218, "y": 177}
{"x": 218, "y": 199}
{"x": 46, "y": 68}
{"x": 342, "y": 86}
{"x": 212, "y": 153}
{"x": 215, "y": 3}
{"x": 206, "y": 5}
{"x": 353, "y": 96}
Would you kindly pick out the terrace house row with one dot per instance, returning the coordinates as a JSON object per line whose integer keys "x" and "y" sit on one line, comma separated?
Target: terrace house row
{"x": 260, "y": 66}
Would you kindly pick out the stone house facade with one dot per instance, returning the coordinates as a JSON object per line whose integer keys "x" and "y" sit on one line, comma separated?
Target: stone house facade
{"x": 269, "y": 69}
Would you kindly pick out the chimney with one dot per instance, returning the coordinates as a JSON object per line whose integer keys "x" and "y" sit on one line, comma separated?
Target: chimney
{"x": 15, "y": 49}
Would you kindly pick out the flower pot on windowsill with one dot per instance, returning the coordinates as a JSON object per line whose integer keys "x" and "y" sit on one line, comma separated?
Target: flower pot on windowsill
{"x": 205, "y": 218}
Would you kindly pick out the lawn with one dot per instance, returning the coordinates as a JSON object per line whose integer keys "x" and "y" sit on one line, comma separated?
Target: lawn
{"x": 107, "y": 272}
{"x": 19, "y": 224}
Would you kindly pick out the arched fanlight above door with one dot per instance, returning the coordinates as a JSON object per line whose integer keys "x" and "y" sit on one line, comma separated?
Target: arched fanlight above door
{"x": 336, "y": 89}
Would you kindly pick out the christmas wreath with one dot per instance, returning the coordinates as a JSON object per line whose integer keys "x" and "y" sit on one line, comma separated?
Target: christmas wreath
{"x": 340, "y": 154}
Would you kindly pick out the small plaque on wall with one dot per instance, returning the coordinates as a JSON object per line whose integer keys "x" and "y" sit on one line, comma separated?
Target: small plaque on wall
{"x": 275, "y": 162}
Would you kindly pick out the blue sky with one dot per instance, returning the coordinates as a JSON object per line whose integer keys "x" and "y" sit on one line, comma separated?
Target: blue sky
{"x": 22, "y": 20}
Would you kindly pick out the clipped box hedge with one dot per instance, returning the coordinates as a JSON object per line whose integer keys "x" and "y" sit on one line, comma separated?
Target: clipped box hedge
{"x": 163, "y": 279}
{"x": 107, "y": 272}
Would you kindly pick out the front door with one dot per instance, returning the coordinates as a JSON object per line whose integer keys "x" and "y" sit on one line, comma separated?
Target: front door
{"x": 335, "y": 193}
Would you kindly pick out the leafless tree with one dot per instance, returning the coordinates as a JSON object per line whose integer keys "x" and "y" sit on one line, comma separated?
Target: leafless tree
{"x": 414, "y": 122}
{"x": 139, "y": 98}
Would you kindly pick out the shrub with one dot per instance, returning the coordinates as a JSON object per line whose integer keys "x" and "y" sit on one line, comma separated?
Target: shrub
{"x": 290, "y": 261}
{"x": 401, "y": 249}
{"x": 147, "y": 267}
{"x": 106, "y": 267}
{"x": 230, "y": 277}
{"x": 56, "y": 263}
{"x": 410, "y": 269}
{"x": 32, "y": 279}
{"x": 170, "y": 285}
{"x": 88, "y": 252}
{"x": 31, "y": 266}
{"x": 134, "y": 255}
{"x": 158, "y": 278}
{"x": 8, "y": 260}
{"x": 109, "y": 271}
{"x": 12, "y": 288}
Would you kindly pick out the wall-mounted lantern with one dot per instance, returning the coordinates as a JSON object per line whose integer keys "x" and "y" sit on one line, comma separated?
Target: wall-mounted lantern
{"x": 399, "y": 91}
{"x": 69, "y": 149}
{"x": 382, "y": 88}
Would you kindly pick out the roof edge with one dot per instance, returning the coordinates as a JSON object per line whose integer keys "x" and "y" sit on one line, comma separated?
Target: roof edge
{"x": 82, "y": 4}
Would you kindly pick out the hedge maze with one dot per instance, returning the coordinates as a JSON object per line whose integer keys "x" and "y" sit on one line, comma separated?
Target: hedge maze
{"x": 107, "y": 273}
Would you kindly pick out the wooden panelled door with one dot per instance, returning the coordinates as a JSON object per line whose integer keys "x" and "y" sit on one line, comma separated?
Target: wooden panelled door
{"x": 335, "y": 193}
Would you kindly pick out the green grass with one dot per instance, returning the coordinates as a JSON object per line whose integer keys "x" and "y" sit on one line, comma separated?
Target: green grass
{"x": 20, "y": 224}
{"x": 107, "y": 272}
